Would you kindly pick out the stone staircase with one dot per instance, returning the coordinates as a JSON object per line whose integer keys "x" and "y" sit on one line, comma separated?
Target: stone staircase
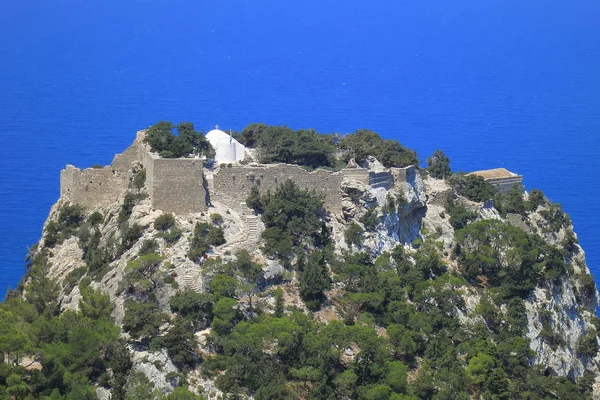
{"x": 250, "y": 232}
{"x": 191, "y": 281}
{"x": 253, "y": 231}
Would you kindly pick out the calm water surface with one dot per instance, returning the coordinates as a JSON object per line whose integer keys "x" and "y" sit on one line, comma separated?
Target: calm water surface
{"x": 494, "y": 84}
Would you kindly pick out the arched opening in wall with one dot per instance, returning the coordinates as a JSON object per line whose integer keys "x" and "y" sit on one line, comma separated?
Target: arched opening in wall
{"x": 550, "y": 372}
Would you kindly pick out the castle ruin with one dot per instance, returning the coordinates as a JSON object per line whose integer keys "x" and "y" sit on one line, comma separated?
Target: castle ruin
{"x": 183, "y": 185}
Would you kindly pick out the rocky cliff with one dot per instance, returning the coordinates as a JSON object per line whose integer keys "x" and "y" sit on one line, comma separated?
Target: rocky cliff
{"x": 136, "y": 254}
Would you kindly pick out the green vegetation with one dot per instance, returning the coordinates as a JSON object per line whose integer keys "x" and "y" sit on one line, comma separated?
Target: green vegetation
{"x": 139, "y": 180}
{"x": 370, "y": 219}
{"x": 294, "y": 220}
{"x": 484, "y": 248}
{"x": 76, "y": 350}
{"x": 438, "y": 165}
{"x": 142, "y": 319}
{"x": 205, "y": 235}
{"x": 473, "y": 187}
{"x": 167, "y": 228}
{"x": 391, "y": 327}
{"x": 353, "y": 234}
{"x": 512, "y": 202}
{"x": 70, "y": 218}
{"x": 280, "y": 144}
{"x": 314, "y": 280}
{"x": 130, "y": 200}
{"x": 459, "y": 215}
{"x": 187, "y": 142}
{"x": 390, "y": 153}
{"x": 216, "y": 219}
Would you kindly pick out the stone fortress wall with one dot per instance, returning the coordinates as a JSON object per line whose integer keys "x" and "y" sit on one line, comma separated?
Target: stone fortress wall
{"x": 183, "y": 186}
{"x": 99, "y": 187}
{"x": 175, "y": 185}
{"x": 231, "y": 186}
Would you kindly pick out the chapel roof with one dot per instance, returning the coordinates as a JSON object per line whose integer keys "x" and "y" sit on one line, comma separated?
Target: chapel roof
{"x": 497, "y": 173}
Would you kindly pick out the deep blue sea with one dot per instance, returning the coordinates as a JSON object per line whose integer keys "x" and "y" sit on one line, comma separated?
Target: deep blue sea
{"x": 495, "y": 83}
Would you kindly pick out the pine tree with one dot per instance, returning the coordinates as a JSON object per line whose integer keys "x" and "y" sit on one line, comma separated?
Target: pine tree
{"x": 314, "y": 279}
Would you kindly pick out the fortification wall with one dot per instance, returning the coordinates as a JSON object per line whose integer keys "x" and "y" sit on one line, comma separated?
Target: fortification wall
{"x": 175, "y": 185}
{"x": 356, "y": 174}
{"x": 99, "y": 187}
{"x": 381, "y": 179}
{"x": 122, "y": 162}
{"x": 232, "y": 185}
{"x": 92, "y": 187}
{"x": 505, "y": 184}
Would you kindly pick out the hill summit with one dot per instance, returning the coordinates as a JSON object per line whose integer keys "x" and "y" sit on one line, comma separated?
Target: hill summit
{"x": 310, "y": 266}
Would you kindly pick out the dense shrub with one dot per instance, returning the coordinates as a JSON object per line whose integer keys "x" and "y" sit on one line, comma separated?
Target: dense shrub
{"x": 473, "y": 187}
{"x": 536, "y": 199}
{"x": 294, "y": 218}
{"x": 390, "y": 153}
{"x": 95, "y": 218}
{"x": 187, "y": 142}
{"x": 588, "y": 344}
{"x": 129, "y": 236}
{"x": 139, "y": 180}
{"x": 438, "y": 165}
{"x": 353, "y": 234}
{"x": 555, "y": 217}
{"x": 314, "y": 280}
{"x": 506, "y": 257}
{"x": 197, "y": 307}
{"x": 280, "y": 144}
{"x": 142, "y": 319}
{"x": 459, "y": 215}
{"x": 164, "y": 222}
{"x": 216, "y": 218}
{"x": 205, "y": 235}
{"x": 129, "y": 201}
{"x": 148, "y": 246}
{"x": 370, "y": 219}
{"x": 70, "y": 217}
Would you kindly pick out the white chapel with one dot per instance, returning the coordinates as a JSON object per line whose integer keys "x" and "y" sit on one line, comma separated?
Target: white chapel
{"x": 227, "y": 149}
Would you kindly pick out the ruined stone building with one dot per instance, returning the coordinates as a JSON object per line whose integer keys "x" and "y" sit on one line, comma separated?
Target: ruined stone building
{"x": 184, "y": 185}
{"x": 501, "y": 178}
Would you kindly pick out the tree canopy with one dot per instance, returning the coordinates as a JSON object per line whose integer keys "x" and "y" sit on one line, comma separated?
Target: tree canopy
{"x": 187, "y": 142}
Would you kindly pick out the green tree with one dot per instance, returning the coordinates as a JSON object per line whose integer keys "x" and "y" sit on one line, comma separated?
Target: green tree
{"x": 353, "y": 234}
{"x": 390, "y": 153}
{"x": 14, "y": 342}
{"x": 142, "y": 319}
{"x": 279, "y": 303}
{"x": 314, "y": 280}
{"x": 94, "y": 304}
{"x": 180, "y": 343}
{"x": 479, "y": 368}
{"x": 223, "y": 285}
{"x": 438, "y": 165}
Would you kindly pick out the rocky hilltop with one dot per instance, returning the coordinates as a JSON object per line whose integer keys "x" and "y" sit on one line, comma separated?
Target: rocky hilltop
{"x": 419, "y": 284}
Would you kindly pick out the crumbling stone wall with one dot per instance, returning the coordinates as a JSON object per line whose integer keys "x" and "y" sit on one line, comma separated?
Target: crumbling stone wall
{"x": 175, "y": 185}
{"x": 134, "y": 153}
{"x": 232, "y": 185}
{"x": 92, "y": 187}
{"x": 356, "y": 174}
{"x": 505, "y": 184}
{"x": 180, "y": 185}
{"x": 99, "y": 187}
